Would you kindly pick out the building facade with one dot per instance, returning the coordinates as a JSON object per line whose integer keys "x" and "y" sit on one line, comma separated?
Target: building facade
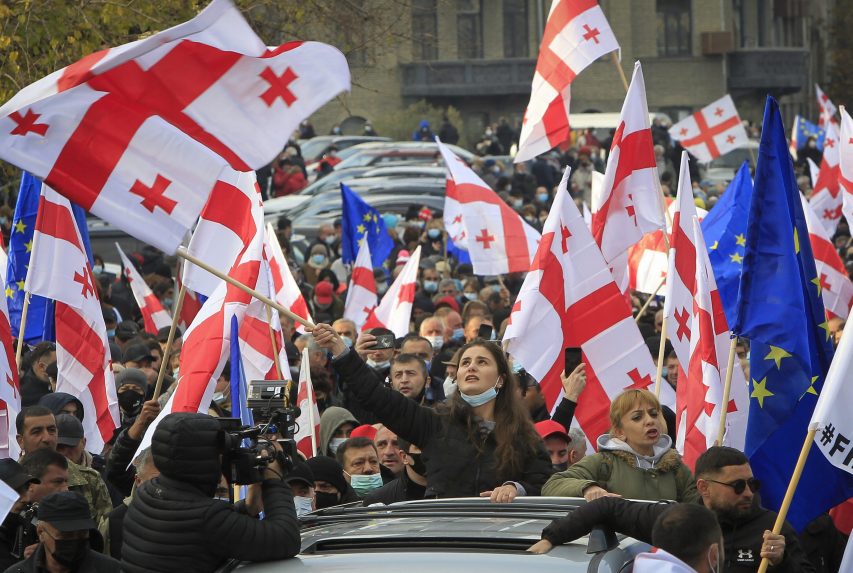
{"x": 479, "y": 56}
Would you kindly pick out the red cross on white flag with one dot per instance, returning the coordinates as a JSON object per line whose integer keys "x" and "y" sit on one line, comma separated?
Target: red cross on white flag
{"x": 496, "y": 237}
{"x": 825, "y": 106}
{"x": 832, "y": 280}
{"x": 308, "y": 423}
{"x": 699, "y": 335}
{"x": 59, "y": 269}
{"x": 361, "y": 294}
{"x": 845, "y": 161}
{"x": 286, "y": 290}
{"x": 712, "y": 131}
{"x": 576, "y": 34}
{"x": 395, "y": 309}
{"x": 569, "y": 299}
{"x": 154, "y": 316}
{"x": 117, "y": 131}
{"x": 826, "y": 199}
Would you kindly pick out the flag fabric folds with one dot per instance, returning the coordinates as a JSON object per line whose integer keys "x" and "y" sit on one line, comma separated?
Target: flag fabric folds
{"x": 826, "y": 198}
{"x": 712, "y": 131}
{"x": 725, "y": 237}
{"x": 238, "y": 383}
{"x": 116, "y": 134}
{"x": 569, "y": 299}
{"x": 10, "y": 389}
{"x": 497, "y": 238}
{"x": 154, "y": 316}
{"x": 361, "y": 294}
{"x": 835, "y": 288}
{"x": 361, "y": 221}
{"x": 308, "y": 423}
{"x": 825, "y": 105}
{"x": 780, "y": 310}
{"x": 802, "y": 130}
{"x": 845, "y": 162}
{"x": 284, "y": 286}
{"x": 60, "y": 270}
{"x": 576, "y": 34}
{"x": 395, "y": 309}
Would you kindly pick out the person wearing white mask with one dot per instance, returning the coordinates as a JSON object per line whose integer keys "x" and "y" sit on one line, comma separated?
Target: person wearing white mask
{"x": 301, "y": 482}
{"x": 432, "y": 329}
{"x": 347, "y": 330}
{"x": 480, "y": 442}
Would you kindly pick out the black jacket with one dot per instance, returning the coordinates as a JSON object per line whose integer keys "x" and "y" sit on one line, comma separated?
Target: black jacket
{"x": 119, "y": 472}
{"x": 95, "y": 563}
{"x": 172, "y": 526}
{"x": 399, "y": 489}
{"x": 742, "y": 537}
{"x": 455, "y": 467}
{"x": 824, "y": 544}
{"x": 32, "y": 389}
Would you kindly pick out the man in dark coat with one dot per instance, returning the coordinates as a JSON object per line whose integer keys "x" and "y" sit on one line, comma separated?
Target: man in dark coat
{"x": 409, "y": 484}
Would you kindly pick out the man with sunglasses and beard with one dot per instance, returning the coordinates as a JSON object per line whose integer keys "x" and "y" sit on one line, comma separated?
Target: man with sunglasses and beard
{"x": 726, "y": 487}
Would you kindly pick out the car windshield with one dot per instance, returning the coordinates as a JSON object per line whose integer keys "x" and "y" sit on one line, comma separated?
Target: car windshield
{"x": 312, "y": 148}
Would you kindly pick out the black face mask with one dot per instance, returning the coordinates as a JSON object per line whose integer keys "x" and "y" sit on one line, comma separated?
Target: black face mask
{"x": 130, "y": 402}
{"x": 561, "y": 467}
{"x": 418, "y": 465}
{"x": 70, "y": 552}
{"x": 324, "y": 499}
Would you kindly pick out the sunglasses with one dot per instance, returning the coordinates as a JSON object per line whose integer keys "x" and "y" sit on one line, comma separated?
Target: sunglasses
{"x": 739, "y": 485}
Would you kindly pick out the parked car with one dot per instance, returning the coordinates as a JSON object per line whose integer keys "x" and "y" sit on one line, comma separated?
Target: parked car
{"x": 448, "y": 535}
{"x": 378, "y": 154}
{"x": 723, "y": 168}
{"x": 314, "y": 148}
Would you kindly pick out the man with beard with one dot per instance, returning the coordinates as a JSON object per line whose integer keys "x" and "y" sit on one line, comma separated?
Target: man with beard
{"x": 727, "y": 487}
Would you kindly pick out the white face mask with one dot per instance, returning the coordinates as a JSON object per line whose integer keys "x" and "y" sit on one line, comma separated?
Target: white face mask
{"x": 335, "y": 443}
{"x": 436, "y": 341}
{"x": 303, "y": 504}
{"x": 378, "y": 365}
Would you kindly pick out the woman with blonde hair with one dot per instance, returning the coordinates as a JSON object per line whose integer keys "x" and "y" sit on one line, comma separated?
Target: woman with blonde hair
{"x": 635, "y": 460}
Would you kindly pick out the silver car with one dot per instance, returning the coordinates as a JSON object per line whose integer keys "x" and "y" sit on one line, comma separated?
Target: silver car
{"x": 447, "y": 535}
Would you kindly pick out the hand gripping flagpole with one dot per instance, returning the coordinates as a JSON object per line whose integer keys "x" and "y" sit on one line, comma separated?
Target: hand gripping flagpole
{"x": 176, "y": 316}
{"x": 724, "y": 407}
{"x": 182, "y": 252}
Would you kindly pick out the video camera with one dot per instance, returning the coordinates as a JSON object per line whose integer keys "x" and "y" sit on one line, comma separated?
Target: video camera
{"x": 247, "y": 450}
{"x": 24, "y": 530}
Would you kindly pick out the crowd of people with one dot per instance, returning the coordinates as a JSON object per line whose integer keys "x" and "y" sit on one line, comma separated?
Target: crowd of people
{"x": 441, "y": 412}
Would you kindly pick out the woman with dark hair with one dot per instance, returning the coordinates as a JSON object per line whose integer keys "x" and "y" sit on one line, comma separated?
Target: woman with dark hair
{"x": 481, "y": 442}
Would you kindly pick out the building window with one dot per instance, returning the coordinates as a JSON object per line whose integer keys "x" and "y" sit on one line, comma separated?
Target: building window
{"x": 673, "y": 22}
{"x": 424, "y": 30}
{"x": 469, "y": 29}
{"x": 515, "y": 29}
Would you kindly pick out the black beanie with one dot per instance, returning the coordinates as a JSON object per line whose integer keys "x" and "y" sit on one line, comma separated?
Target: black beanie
{"x": 186, "y": 447}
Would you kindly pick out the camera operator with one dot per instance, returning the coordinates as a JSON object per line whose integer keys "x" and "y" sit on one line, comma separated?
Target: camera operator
{"x": 15, "y": 524}
{"x": 174, "y": 524}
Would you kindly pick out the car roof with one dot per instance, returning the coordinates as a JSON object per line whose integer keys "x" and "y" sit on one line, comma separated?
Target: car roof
{"x": 443, "y": 535}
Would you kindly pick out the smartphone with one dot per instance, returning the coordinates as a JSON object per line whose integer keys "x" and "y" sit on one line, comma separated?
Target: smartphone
{"x": 486, "y": 332}
{"x": 573, "y": 357}
{"x": 384, "y": 341}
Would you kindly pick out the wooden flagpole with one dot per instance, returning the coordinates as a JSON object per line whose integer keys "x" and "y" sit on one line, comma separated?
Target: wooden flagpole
{"x": 724, "y": 407}
{"x": 661, "y": 350}
{"x": 22, "y": 330}
{"x": 275, "y": 355}
{"x": 618, "y": 65}
{"x": 167, "y": 351}
{"x": 645, "y": 306}
{"x": 789, "y": 494}
{"x": 181, "y": 252}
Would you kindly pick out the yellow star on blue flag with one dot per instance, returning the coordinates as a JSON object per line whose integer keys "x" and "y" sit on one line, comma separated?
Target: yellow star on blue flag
{"x": 360, "y": 220}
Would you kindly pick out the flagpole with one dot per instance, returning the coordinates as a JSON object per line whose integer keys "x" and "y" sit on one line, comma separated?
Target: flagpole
{"x": 789, "y": 494}
{"x": 275, "y": 356}
{"x": 181, "y": 252}
{"x": 22, "y": 330}
{"x": 309, "y": 389}
{"x": 724, "y": 407}
{"x": 621, "y": 71}
{"x": 176, "y": 314}
{"x": 661, "y": 350}
{"x": 646, "y": 304}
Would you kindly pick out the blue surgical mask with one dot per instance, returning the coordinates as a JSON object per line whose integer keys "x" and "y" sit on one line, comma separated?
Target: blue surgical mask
{"x": 335, "y": 443}
{"x": 347, "y": 340}
{"x": 318, "y": 259}
{"x": 329, "y": 239}
{"x": 303, "y": 504}
{"x": 433, "y": 234}
{"x": 459, "y": 333}
{"x": 363, "y": 485}
{"x": 471, "y": 295}
{"x": 517, "y": 204}
{"x": 381, "y": 288}
{"x": 431, "y": 286}
{"x": 97, "y": 269}
{"x": 664, "y": 372}
{"x": 516, "y": 367}
{"x": 167, "y": 302}
{"x": 111, "y": 333}
{"x": 542, "y": 197}
{"x": 482, "y": 398}
{"x": 378, "y": 365}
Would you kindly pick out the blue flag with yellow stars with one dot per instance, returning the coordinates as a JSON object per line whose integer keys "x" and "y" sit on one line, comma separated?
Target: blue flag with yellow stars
{"x": 725, "y": 234}
{"x": 779, "y": 308}
{"x": 804, "y": 129}
{"x": 40, "y": 324}
{"x": 360, "y": 220}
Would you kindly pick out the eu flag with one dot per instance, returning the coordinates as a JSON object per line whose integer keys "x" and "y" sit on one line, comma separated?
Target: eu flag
{"x": 725, "y": 234}
{"x": 40, "y": 324}
{"x": 779, "y": 308}
{"x": 804, "y": 129}
{"x": 360, "y": 220}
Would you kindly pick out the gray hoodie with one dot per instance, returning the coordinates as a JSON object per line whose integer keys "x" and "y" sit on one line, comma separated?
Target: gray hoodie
{"x": 608, "y": 442}
{"x": 330, "y": 421}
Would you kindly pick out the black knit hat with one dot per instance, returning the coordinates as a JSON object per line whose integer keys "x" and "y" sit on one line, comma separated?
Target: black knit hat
{"x": 186, "y": 447}
{"x": 329, "y": 470}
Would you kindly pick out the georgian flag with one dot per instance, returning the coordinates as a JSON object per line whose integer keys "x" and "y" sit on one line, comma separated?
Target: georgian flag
{"x": 141, "y": 134}
{"x": 59, "y": 269}
{"x": 308, "y": 423}
{"x": 154, "y": 316}
{"x": 845, "y": 163}
{"x": 629, "y": 205}
{"x": 496, "y": 237}
{"x": 712, "y": 131}
{"x": 576, "y": 34}
{"x": 833, "y": 282}
{"x": 361, "y": 294}
{"x": 827, "y": 199}
{"x": 569, "y": 298}
{"x": 825, "y": 105}
{"x": 10, "y": 389}
{"x": 395, "y": 309}
{"x": 284, "y": 287}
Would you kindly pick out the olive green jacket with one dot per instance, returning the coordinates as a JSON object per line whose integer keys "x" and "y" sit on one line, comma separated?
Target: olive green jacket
{"x": 617, "y": 472}
{"x": 89, "y": 484}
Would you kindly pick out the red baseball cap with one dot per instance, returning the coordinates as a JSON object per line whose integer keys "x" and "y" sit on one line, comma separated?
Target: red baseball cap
{"x": 323, "y": 292}
{"x": 447, "y": 301}
{"x": 547, "y": 428}
{"x": 364, "y": 431}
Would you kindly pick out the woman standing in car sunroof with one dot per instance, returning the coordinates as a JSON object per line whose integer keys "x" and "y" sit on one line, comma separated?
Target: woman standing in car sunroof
{"x": 480, "y": 442}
